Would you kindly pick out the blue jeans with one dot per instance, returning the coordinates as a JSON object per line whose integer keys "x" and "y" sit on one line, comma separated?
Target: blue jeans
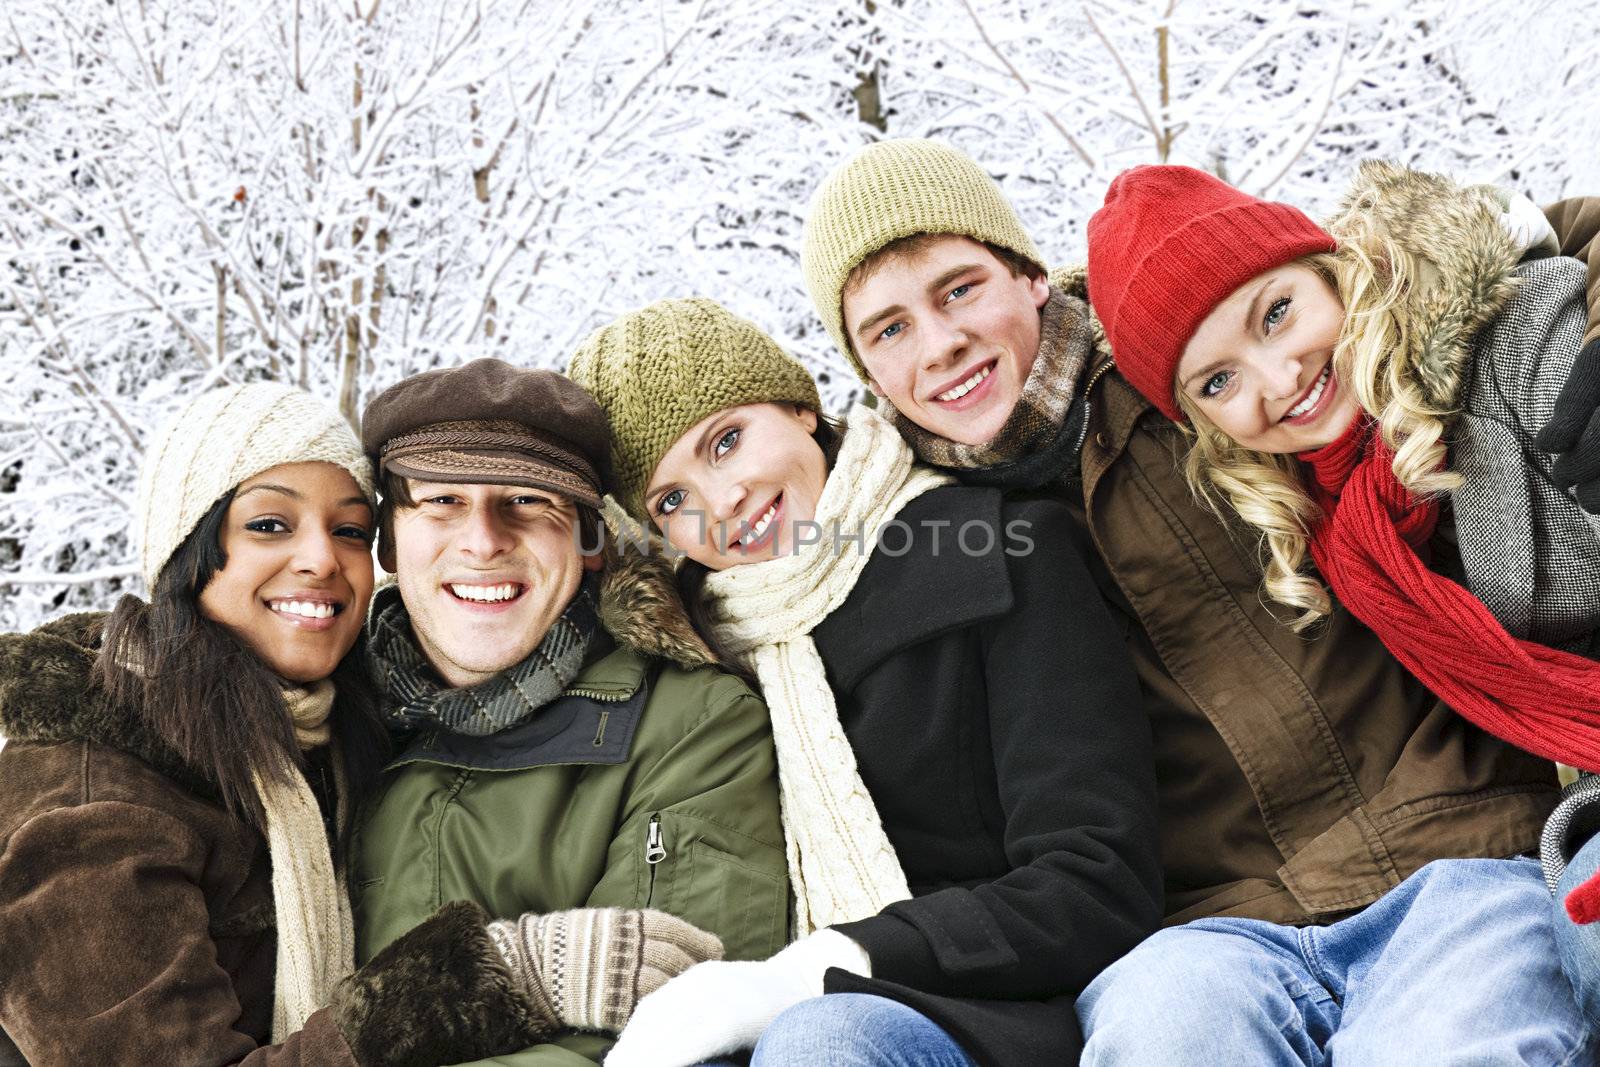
{"x": 1580, "y": 945}
{"x": 856, "y": 1030}
{"x": 1456, "y": 965}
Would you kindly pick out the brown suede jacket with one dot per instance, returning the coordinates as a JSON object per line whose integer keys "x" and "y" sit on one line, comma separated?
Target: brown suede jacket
{"x": 1300, "y": 777}
{"x": 1577, "y": 226}
{"x": 136, "y": 915}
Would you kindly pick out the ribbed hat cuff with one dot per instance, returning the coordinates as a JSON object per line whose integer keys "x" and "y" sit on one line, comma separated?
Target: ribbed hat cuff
{"x": 632, "y": 485}
{"x": 1206, "y": 259}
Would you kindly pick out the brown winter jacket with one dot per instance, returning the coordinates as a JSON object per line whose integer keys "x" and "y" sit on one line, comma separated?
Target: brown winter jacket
{"x": 1300, "y": 777}
{"x": 1577, "y": 226}
{"x": 136, "y": 915}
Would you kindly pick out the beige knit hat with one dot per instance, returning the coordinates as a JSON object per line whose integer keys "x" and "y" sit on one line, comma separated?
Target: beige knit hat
{"x": 659, "y": 370}
{"x": 223, "y": 437}
{"x": 894, "y": 189}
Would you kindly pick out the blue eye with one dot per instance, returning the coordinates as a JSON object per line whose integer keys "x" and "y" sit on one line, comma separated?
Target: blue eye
{"x": 958, "y": 292}
{"x": 726, "y": 442}
{"x": 1216, "y": 383}
{"x": 1276, "y": 313}
{"x": 670, "y": 502}
{"x": 894, "y": 329}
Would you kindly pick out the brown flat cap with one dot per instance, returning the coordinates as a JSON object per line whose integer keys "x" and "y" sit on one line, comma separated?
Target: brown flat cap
{"x": 488, "y": 422}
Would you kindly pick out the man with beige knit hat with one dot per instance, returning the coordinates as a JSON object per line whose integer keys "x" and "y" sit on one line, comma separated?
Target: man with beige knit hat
{"x": 1299, "y": 781}
{"x": 570, "y": 755}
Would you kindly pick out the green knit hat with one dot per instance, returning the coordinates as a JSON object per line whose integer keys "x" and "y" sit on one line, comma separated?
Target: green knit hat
{"x": 890, "y": 190}
{"x": 659, "y": 370}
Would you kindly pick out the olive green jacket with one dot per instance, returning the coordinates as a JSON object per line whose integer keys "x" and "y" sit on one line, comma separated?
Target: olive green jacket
{"x": 646, "y": 784}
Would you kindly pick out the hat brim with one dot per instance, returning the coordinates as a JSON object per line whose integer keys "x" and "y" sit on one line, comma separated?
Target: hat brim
{"x": 484, "y": 467}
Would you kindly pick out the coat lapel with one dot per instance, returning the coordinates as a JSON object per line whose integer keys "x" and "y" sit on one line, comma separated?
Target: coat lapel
{"x": 935, "y": 586}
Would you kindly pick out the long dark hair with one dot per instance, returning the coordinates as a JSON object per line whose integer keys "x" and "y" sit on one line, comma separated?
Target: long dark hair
{"x": 207, "y": 695}
{"x": 828, "y": 435}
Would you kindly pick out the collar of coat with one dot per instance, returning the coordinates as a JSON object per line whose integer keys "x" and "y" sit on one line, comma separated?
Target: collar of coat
{"x": 45, "y": 693}
{"x": 933, "y": 588}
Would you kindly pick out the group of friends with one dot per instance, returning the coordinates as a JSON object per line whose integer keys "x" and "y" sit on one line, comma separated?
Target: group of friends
{"x": 1170, "y": 664}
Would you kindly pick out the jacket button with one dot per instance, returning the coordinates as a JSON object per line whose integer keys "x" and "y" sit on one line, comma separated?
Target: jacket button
{"x": 1101, "y": 439}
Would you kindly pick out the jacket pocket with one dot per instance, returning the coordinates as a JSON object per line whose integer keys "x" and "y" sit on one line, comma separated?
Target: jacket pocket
{"x": 719, "y": 880}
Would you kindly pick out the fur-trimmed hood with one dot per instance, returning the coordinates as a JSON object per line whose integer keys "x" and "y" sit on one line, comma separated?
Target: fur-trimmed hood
{"x": 46, "y": 695}
{"x": 1461, "y": 257}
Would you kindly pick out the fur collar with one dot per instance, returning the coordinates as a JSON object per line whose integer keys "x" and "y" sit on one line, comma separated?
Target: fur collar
{"x": 1461, "y": 256}
{"x": 45, "y": 695}
{"x": 641, "y": 608}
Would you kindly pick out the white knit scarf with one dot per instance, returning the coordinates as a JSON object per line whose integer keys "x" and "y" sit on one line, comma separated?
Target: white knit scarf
{"x": 841, "y": 864}
{"x": 316, "y": 937}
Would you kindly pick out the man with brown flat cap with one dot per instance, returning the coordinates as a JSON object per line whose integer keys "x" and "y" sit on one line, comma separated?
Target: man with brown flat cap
{"x": 568, "y": 753}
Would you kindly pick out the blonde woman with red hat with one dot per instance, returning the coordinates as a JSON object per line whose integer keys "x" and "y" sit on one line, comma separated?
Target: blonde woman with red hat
{"x": 1342, "y": 385}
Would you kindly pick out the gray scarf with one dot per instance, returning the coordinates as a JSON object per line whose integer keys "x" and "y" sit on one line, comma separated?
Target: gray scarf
{"x": 416, "y": 698}
{"x": 1045, "y": 415}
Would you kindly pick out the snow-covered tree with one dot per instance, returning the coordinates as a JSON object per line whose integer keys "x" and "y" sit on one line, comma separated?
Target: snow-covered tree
{"x": 338, "y": 193}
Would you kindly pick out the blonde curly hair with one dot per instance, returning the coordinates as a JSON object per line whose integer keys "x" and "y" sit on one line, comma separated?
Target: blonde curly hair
{"x": 1376, "y": 357}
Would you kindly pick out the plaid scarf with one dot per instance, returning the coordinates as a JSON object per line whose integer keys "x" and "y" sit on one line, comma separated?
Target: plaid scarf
{"x": 415, "y": 698}
{"x": 1045, "y": 420}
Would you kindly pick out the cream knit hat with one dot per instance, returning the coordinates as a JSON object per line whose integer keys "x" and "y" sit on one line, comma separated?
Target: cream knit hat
{"x": 223, "y": 437}
{"x": 659, "y": 370}
{"x": 894, "y": 189}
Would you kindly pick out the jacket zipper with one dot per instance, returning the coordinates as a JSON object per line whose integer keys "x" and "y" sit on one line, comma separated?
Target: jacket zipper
{"x": 1095, "y": 375}
{"x": 595, "y": 694}
{"x": 655, "y": 850}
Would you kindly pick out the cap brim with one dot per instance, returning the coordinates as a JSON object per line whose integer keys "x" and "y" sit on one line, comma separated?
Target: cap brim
{"x": 472, "y": 467}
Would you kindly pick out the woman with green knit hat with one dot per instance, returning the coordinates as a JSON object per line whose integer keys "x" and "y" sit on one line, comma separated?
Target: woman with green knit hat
{"x": 176, "y": 793}
{"x": 969, "y": 814}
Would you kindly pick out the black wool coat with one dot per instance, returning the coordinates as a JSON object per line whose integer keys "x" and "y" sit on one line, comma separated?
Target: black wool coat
{"x": 997, "y": 723}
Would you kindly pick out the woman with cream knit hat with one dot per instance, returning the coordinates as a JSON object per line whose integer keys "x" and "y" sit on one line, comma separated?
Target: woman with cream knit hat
{"x": 969, "y": 815}
{"x": 176, "y": 792}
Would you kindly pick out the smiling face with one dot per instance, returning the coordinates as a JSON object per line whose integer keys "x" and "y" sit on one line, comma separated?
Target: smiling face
{"x": 948, "y": 335}
{"x": 732, "y": 488}
{"x": 484, "y": 571}
{"x": 1260, "y": 366}
{"x": 298, "y": 575}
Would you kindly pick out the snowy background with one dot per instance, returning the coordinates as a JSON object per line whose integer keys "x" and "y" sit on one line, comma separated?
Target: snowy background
{"x": 338, "y": 194}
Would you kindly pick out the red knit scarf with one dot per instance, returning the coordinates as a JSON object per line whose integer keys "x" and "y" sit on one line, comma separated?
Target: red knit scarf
{"x": 1366, "y": 545}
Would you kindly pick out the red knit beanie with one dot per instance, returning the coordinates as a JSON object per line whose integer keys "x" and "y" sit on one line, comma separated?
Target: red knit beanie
{"x": 1167, "y": 246}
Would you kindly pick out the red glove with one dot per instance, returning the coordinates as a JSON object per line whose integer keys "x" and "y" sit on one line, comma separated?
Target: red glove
{"x": 1583, "y": 903}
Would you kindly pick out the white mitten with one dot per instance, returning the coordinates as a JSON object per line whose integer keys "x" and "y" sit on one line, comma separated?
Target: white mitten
{"x": 714, "y": 1009}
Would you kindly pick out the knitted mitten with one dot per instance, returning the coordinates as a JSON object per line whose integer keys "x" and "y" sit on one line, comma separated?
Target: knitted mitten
{"x": 1574, "y": 430}
{"x": 588, "y": 967}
